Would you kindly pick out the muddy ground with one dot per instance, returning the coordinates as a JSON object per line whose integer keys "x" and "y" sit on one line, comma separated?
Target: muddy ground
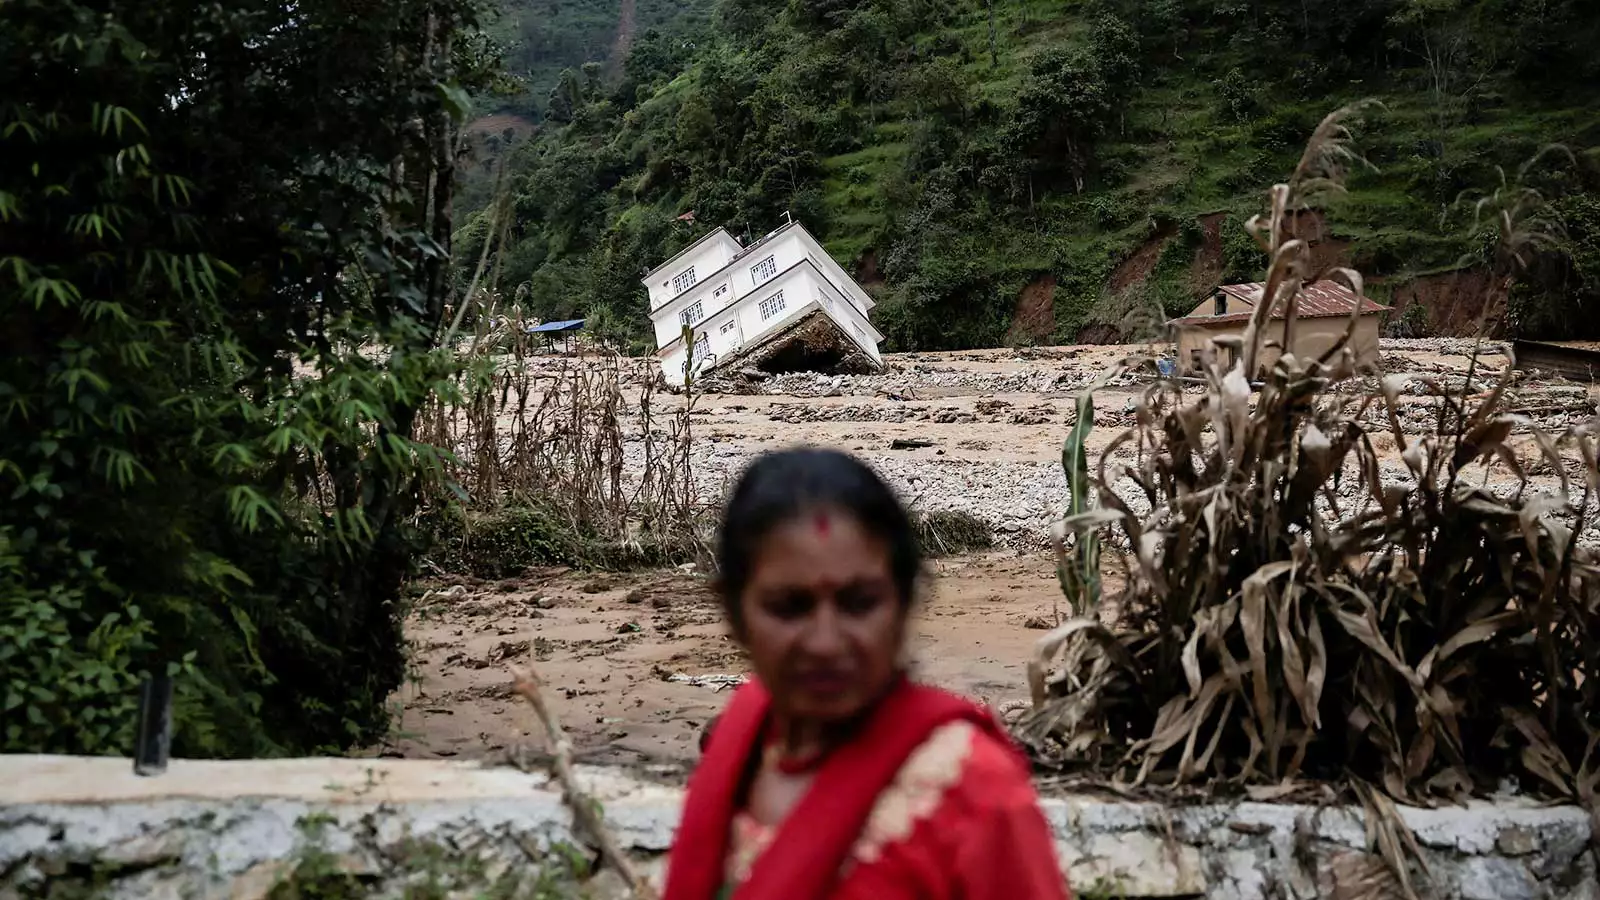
{"x": 608, "y": 644}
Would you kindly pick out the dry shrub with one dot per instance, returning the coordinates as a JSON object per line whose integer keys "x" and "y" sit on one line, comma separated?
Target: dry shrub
{"x": 1288, "y": 614}
{"x": 551, "y": 434}
{"x": 944, "y": 532}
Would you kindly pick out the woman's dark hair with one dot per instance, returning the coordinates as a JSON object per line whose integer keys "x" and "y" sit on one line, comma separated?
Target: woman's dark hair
{"x": 780, "y": 486}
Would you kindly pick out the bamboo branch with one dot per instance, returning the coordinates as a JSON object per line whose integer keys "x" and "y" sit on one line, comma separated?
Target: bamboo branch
{"x": 585, "y": 811}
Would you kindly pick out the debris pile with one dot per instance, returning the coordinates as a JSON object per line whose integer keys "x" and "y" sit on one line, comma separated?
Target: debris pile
{"x": 814, "y": 343}
{"x": 897, "y": 383}
{"x": 800, "y": 413}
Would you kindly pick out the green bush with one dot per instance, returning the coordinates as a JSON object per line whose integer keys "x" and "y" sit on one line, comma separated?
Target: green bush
{"x": 943, "y": 532}
{"x": 1411, "y": 323}
{"x": 500, "y": 543}
{"x": 69, "y": 679}
{"x": 1241, "y": 258}
{"x": 203, "y": 472}
{"x": 503, "y": 542}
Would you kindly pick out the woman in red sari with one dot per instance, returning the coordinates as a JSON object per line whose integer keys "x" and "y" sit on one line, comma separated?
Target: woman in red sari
{"x": 830, "y": 774}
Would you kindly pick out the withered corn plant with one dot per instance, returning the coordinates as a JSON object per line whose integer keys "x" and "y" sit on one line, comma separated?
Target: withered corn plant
{"x": 1292, "y": 613}
{"x": 529, "y": 428}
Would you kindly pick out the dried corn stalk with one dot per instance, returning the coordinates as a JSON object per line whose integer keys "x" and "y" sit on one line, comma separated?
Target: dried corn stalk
{"x": 1290, "y": 613}
{"x": 526, "y": 427}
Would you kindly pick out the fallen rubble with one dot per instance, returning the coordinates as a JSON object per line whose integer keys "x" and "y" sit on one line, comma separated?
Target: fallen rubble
{"x": 814, "y": 344}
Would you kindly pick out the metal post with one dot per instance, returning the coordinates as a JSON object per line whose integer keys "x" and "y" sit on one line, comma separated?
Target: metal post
{"x": 154, "y": 741}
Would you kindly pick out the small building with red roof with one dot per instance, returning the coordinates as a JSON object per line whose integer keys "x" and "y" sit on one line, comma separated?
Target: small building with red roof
{"x": 1322, "y": 316}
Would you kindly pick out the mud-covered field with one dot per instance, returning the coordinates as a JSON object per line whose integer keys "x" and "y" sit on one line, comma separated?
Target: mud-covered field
{"x": 619, "y": 651}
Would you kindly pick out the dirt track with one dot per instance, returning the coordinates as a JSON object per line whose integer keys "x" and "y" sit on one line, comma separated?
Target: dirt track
{"x": 607, "y": 644}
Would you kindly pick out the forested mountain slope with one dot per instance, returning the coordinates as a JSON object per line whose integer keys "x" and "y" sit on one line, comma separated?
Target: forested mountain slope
{"x": 542, "y": 39}
{"x": 1089, "y": 158}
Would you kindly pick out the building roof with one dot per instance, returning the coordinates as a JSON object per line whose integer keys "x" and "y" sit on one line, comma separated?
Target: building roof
{"x": 1320, "y": 299}
{"x": 756, "y": 244}
{"x": 568, "y": 325}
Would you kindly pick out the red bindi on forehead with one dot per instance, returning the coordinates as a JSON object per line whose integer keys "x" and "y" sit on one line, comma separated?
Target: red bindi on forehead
{"x": 823, "y": 523}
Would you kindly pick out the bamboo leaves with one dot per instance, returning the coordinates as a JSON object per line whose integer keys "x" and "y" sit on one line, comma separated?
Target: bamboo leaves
{"x": 209, "y": 416}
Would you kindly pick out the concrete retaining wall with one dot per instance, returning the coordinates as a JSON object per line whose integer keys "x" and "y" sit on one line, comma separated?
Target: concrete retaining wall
{"x": 440, "y": 829}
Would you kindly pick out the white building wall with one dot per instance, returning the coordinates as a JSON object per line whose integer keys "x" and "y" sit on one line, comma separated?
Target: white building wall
{"x": 667, "y": 329}
{"x": 850, "y": 318}
{"x": 732, "y": 289}
{"x": 672, "y": 365}
{"x": 752, "y": 272}
{"x": 711, "y": 254}
{"x": 835, "y": 272}
{"x": 725, "y": 333}
{"x": 798, "y": 290}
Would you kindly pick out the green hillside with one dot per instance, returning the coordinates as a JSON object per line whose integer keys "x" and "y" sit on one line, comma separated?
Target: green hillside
{"x": 541, "y": 39}
{"x": 954, "y": 153}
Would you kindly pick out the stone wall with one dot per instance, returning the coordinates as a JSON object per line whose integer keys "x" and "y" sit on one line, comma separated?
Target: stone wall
{"x": 241, "y": 830}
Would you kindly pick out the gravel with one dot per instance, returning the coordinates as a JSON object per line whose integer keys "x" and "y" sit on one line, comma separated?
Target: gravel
{"x": 1021, "y": 500}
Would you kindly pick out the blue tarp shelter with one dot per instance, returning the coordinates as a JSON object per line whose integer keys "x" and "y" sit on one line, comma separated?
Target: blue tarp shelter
{"x": 551, "y": 329}
{"x": 556, "y": 327}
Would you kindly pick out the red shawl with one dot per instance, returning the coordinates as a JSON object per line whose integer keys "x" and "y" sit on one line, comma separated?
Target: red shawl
{"x": 815, "y": 839}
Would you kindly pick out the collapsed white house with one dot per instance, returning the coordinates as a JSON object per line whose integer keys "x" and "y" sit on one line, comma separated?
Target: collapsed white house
{"x": 781, "y": 303}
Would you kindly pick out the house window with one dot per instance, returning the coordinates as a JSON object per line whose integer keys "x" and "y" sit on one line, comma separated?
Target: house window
{"x": 693, "y": 314}
{"x": 702, "y": 350}
{"x": 763, "y": 270}
{"x": 772, "y": 306}
{"x": 726, "y": 326}
{"x": 683, "y": 281}
{"x": 720, "y": 292}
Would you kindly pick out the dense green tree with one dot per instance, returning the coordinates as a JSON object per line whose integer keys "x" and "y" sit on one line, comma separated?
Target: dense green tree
{"x": 566, "y": 98}
{"x": 938, "y": 89}
{"x": 542, "y": 38}
{"x": 210, "y": 216}
{"x": 656, "y": 56}
{"x": 1561, "y": 288}
{"x": 1063, "y": 108}
{"x": 696, "y": 130}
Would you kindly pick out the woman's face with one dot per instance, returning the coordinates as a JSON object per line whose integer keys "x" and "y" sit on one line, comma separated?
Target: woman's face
{"x": 823, "y": 622}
